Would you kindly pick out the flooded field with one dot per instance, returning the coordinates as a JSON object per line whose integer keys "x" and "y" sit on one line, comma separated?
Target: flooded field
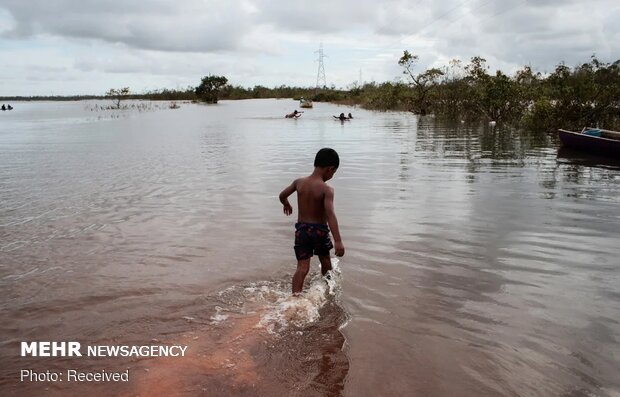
{"x": 480, "y": 261}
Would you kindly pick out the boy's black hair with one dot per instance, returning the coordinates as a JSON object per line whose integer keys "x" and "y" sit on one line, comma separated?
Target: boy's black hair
{"x": 327, "y": 157}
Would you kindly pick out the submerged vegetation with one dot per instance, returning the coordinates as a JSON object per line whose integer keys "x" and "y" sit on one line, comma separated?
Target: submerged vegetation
{"x": 587, "y": 94}
{"x": 209, "y": 88}
{"x": 118, "y": 94}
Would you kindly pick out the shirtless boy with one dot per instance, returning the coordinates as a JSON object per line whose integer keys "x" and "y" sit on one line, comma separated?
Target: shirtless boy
{"x": 315, "y": 204}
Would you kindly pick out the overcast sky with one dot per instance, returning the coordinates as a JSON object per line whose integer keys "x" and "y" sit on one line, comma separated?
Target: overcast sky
{"x": 64, "y": 47}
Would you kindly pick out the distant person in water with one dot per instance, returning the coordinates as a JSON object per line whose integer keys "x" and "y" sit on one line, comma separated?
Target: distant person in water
{"x": 10, "y": 107}
{"x": 350, "y": 116}
{"x": 3, "y": 107}
{"x": 342, "y": 117}
{"x": 293, "y": 115}
{"x": 316, "y": 216}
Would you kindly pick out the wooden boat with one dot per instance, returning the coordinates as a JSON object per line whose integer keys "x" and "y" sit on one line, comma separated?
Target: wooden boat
{"x": 607, "y": 144}
{"x": 578, "y": 157}
{"x": 305, "y": 103}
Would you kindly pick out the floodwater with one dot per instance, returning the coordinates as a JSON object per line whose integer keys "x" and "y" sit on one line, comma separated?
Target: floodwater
{"x": 479, "y": 260}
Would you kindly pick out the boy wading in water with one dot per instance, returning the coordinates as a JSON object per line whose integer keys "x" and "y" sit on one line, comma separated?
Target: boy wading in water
{"x": 315, "y": 202}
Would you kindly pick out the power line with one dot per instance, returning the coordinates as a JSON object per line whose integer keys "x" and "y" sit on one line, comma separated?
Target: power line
{"x": 472, "y": 11}
{"x": 435, "y": 20}
{"x": 450, "y": 11}
{"x": 464, "y": 15}
{"x": 440, "y": 17}
{"x": 475, "y": 9}
{"x": 503, "y": 11}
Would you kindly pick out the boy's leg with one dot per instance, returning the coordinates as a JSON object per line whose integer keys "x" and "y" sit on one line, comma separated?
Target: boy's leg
{"x": 303, "y": 266}
{"x": 326, "y": 263}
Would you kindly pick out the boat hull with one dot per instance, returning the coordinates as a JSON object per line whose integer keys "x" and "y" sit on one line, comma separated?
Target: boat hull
{"x": 590, "y": 144}
{"x": 305, "y": 103}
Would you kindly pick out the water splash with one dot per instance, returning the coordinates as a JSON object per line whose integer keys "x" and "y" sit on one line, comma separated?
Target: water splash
{"x": 274, "y": 305}
{"x": 303, "y": 309}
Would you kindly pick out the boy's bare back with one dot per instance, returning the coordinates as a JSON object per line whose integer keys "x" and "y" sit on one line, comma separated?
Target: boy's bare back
{"x": 311, "y": 193}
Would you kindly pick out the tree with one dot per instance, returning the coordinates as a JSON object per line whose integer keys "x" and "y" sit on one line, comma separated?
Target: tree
{"x": 209, "y": 88}
{"x": 588, "y": 94}
{"x": 453, "y": 92}
{"x": 422, "y": 83}
{"x": 477, "y": 69}
{"x": 118, "y": 94}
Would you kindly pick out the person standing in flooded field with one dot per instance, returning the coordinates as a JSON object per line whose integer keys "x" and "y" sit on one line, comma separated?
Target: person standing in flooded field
{"x": 316, "y": 215}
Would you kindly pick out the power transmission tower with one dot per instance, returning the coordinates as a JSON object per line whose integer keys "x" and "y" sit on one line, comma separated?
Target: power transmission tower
{"x": 320, "y": 76}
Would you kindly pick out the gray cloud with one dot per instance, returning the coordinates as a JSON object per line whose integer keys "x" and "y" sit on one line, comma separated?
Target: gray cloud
{"x": 191, "y": 25}
{"x": 318, "y": 17}
{"x": 212, "y": 25}
{"x": 266, "y": 42}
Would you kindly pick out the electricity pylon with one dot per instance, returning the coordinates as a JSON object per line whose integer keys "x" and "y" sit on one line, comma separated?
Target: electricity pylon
{"x": 320, "y": 76}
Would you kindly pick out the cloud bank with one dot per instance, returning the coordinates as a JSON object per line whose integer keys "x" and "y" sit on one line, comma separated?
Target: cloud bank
{"x": 86, "y": 46}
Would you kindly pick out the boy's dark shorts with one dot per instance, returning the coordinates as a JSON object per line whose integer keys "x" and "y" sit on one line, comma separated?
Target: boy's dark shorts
{"x": 311, "y": 238}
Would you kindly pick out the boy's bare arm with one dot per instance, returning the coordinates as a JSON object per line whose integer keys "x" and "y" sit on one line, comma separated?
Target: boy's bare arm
{"x": 332, "y": 221}
{"x": 288, "y": 209}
